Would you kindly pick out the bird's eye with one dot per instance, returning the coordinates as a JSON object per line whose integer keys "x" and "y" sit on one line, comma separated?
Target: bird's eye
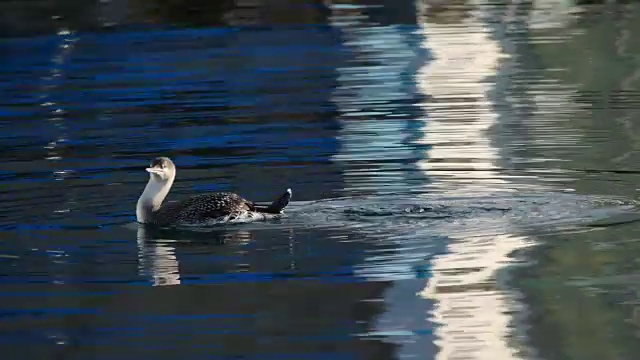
{"x": 164, "y": 166}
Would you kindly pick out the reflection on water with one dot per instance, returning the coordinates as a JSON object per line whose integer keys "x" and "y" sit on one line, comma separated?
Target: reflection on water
{"x": 157, "y": 259}
{"x": 468, "y": 285}
{"x": 427, "y": 145}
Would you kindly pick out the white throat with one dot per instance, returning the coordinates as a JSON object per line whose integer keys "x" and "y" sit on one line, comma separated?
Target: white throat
{"x": 152, "y": 197}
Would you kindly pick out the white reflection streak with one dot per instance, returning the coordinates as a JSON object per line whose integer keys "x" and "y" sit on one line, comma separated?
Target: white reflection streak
{"x": 471, "y": 299}
{"x": 157, "y": 259}
{"x": 51, "y": 84}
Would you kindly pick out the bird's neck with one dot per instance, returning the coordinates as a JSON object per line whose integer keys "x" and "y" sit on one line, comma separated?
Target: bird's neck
{"x": 151, "y": 199}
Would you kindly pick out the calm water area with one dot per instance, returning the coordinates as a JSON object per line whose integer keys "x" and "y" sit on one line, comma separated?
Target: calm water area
{"x": 464, "y": 176}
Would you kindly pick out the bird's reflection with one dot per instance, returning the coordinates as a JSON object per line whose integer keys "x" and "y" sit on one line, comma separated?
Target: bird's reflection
{"x": 157, "y": 257}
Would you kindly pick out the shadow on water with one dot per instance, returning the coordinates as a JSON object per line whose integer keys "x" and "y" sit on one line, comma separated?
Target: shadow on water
{"x": 425, "y": 144}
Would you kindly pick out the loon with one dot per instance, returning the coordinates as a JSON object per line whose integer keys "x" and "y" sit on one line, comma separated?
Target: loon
{"x": 198, "y": 210}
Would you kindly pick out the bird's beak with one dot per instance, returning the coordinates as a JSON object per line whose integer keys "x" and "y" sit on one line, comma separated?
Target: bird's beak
{"x": 154, "y": 170}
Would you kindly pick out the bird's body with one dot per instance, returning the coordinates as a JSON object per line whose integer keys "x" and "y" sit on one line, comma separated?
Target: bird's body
{"x": 199, "y": 210}
{"x": 208, "y": 209}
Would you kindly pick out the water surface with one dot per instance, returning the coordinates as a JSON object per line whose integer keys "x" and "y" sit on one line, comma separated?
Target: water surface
{"x": 448, "y": 168}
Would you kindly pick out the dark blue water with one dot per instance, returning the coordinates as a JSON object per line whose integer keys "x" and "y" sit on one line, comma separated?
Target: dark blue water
{"x": 420, "y": 164}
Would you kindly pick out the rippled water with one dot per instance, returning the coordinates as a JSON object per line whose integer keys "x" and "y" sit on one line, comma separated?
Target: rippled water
{"x": 464, "y": 180}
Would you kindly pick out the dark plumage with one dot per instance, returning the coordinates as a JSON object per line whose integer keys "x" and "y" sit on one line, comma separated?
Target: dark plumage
{"x": 205, "y": 207}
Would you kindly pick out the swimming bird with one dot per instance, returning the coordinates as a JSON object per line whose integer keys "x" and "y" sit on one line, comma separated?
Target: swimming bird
{"x": 198, "y": 210}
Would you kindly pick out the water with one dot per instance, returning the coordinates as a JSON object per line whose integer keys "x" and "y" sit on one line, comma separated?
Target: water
{"x": 464, "y": 180}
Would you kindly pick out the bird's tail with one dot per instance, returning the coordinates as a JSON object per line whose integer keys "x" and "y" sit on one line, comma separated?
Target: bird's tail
{"x": 277, "y": 205}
